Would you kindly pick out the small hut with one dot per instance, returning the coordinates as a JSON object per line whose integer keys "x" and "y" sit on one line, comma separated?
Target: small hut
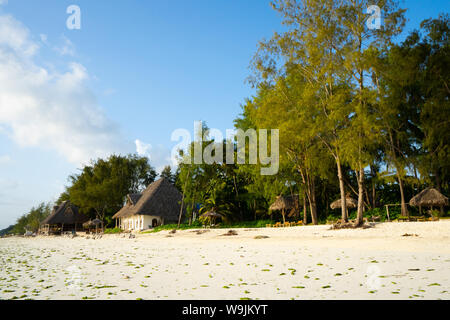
{"x": 283, "y": 203}
{"x": 93, "y": 224}
{"x": 65, "y": 217}
{"x": 429, "y": 197}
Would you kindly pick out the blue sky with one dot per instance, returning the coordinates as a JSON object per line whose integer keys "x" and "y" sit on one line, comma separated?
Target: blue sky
{"x": 137, "y": 70}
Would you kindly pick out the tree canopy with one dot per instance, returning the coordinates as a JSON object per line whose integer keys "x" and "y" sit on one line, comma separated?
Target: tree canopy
{"x": 359, "y": 115}
{"x": 100, "y": 188}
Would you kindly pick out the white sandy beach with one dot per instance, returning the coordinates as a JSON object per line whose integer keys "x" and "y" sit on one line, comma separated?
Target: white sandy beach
{"x": 310, "y": 262}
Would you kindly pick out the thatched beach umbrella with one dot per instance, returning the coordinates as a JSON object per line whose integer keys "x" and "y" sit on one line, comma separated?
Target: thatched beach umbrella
{"x": 96, "y": 223}
{"x": 429, "y": 197}
{"x": 212, "y": 215}
{"x": 283, "y": 203}
{"x": 350, "y": 202}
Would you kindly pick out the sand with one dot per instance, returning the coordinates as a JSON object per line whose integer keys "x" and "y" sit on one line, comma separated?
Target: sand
{"x": 310, "y": 262}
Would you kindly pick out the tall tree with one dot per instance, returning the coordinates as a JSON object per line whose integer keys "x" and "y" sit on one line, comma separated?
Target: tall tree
{"x": 167, "y": 174}
{"x": 414, "y": 107}
{"x": 329, "y": 42}
{"x": 32, "y": 220}
{"x": 359, "y": 41}
{"x": 435, "y": 111}
{"x": 103, "y": 185}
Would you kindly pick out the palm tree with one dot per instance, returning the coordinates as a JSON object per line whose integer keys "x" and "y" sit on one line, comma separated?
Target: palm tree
{"x": 213, "y": 203}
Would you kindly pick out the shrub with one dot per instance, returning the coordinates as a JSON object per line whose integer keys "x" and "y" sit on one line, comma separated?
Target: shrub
{"x": 112, "y": 230}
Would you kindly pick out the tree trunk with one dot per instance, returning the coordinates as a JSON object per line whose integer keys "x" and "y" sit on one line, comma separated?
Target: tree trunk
{"x": 373, "y": 173}
{"x": 360, "y": 174}
{"x": 181, "y": 211}
{"x": 360, "y": 178}
{"x": 237, "y": 197}
{"x": 405, "y": 212}
{"x": 310, "y": 192}
{"x": 191, "y": 218}
{"x": 305, "y": 216}
{"x": 342, "y": 189}
{"x": 182, "y": 199}
{"x": 366, "y": 193}
{"x": 313, "y": 203}
{"x": 438, "y": 180}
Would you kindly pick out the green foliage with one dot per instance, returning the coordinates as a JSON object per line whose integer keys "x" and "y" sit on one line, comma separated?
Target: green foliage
{"x": 101, "y": 187}
{"x": 6, "y": 231}
{"x": 167, "y": 174}
{"x": 112, "y": 231}
{"x": 198, "y": 225}
{"x": 183, "y": 226}
{"x": 32, "y": 220}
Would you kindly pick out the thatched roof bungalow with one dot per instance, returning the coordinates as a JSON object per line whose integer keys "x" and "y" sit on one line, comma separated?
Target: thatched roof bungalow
{"x": 159, "y": 204}
{"x": 65, "y": 217}
{"x": 429, "y": 197}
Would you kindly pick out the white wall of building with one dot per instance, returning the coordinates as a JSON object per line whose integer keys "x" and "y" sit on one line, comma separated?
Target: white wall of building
{"x": 139, "y": 222}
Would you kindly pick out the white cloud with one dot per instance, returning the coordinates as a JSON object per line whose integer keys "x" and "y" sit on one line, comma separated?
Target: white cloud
{"x": 14, "y": 38}
{"x": 142, "y": 148}
{"x": 43, "y": 38}
{"x": 49, "y": 109}
{"x": 67, "y": 48}
{"x": 3, "y": 2}
{"x": 5, "y": 159}
{"x": 159, "y": 156}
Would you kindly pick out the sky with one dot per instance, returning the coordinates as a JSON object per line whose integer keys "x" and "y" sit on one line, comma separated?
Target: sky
{"x": 133, "y": 73}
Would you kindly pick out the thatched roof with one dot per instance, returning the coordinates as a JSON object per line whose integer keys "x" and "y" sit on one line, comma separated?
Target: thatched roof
{"x": 285, "y": 202}
{"x": 160, "y": 199}
{"x": 124, "y": 212}
{"x": 350, "y": 203}
{"x": 429, "y": 197}
{"x": 134, "y": 198}
{"x": 92, "y": 223}
{"x": 211, "y": 214}
{"x": 65, "y": 213}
